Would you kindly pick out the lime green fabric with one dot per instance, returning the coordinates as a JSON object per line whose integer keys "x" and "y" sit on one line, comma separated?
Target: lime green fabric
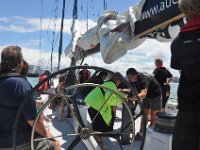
{"x": 96, "y": 100}
{"x": 37, "y": 109}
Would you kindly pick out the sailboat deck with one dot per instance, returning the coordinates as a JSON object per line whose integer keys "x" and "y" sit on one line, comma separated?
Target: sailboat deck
{"x": 66, "y": 126}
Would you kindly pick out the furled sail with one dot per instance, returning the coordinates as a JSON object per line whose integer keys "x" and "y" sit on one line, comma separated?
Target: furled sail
{"x": 115, "y": 34}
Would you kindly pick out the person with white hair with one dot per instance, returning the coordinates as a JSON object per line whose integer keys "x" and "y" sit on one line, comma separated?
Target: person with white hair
{"x": 185, "y": 51}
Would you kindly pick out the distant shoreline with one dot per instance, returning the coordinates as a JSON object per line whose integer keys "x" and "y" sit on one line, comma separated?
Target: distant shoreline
{"x": 33, "y": 75}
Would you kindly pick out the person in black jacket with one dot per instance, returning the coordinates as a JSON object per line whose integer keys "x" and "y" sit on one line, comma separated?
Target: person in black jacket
{"x": 164, "y": 77}
{"x": 185, "y": 57}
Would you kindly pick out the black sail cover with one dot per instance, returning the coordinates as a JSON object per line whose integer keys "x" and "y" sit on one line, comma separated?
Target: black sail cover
{"x": 157, "y": 13}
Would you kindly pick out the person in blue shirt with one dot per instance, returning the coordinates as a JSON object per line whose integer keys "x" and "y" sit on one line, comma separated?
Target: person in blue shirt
{"x": 15, "y": 90}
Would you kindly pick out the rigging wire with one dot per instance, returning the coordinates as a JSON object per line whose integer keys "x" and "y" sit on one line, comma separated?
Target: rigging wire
{"x": 51, "y": 16}
{"x": 104, "y": 4}
{"x": 75, "y": 17}
{"x": 61, "y": 35}
{"x": 54, "y": 33}
{"x": 40, "y": 35}
{"x": 55, "y": 6}
{"x": 93, "y": 11}
{"x": 87, "y": 15}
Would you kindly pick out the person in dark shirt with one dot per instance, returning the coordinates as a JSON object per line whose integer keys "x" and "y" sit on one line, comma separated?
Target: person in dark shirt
{"x": 164, "y": 77}
{"x": 149, "y": 91}
{"x": 67, "y": 80}
{"x": 84, "y": 75}
{"x": 99, "y": 79}
{"x": 15, "y": 90}
{"x": 185, "y": 57}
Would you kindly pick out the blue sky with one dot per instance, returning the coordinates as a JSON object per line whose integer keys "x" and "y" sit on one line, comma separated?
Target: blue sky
{"x": 20, "y": 25}
{"x": 32, "y": 8}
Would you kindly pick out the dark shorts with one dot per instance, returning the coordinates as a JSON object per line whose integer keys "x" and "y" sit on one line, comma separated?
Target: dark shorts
{"x": 164, "y": 97}
{"x": 41, "y": 145}
{"x": 187, "y": 131}
{"x": 153, "y": 103}
{"x": 99, "y": 123}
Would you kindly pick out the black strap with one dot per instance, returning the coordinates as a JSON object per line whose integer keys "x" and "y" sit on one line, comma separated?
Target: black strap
{"x": 167, "y": 34}
{"x": 103, "y": 92}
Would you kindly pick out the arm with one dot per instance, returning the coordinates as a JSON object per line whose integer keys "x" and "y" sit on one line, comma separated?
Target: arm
{"x": 170, "y": 79}
{"x": 155, "y": 72}
{"x": 46, "y": 87}
{"x": 143, "y": 94}
{"x": 60, "y": 86}
{"x": 40, "y": 128}
{"x": 145, "y": 81}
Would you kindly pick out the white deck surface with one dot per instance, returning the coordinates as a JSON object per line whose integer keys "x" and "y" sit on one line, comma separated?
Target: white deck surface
{"x": 67, "y": 126}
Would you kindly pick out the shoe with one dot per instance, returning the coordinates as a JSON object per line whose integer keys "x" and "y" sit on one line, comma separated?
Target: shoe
{"x": 68, "y": 116}
{"x": 139, "y": 137}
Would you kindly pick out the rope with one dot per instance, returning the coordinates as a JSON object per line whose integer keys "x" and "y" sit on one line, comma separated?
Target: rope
{"x": 61, "y": 35}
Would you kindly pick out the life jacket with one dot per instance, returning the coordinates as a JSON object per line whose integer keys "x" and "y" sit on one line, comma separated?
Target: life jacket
{"x": 85, "y": 75}
{"x": 42, "y": 87}
{"x": 193, "y": 24}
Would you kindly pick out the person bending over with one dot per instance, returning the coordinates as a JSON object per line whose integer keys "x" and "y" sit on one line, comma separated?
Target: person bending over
{"x": 149, "y": 91}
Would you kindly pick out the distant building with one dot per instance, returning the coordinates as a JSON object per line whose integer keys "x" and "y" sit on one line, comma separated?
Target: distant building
{"x": 32, "y": 69}
{"x": 55, "y": 69}
{"x": 39, "y": 70}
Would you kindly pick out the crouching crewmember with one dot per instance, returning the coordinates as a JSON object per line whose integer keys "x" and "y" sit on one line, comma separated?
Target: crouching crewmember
{"x": 102, "y": 101}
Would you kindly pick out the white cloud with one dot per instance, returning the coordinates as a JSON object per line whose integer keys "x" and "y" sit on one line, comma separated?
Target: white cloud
{"x": 141, "y": 58}
{"x": 23, "y": 25}
{"x": 4, "y": 19}
{"x": 32, "y": 56}
{"x": 34, "y": 42}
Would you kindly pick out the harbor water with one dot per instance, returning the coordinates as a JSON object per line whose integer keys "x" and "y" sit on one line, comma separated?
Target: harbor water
{"x": 174, "y": 87}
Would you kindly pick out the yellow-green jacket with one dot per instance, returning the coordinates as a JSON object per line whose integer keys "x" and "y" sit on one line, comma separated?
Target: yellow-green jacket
{"x": 96, "y": 99}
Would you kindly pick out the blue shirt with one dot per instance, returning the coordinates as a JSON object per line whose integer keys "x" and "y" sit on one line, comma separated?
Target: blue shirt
{"x": 13, "y": 92}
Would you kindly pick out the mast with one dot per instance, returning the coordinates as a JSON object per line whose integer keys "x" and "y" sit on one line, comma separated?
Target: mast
{"x": 61, "y": 35}
{"x": 73, "y": 30}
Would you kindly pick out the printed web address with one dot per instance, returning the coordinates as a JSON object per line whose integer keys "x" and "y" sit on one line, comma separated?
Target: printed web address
{"x": 158, "y": 8}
